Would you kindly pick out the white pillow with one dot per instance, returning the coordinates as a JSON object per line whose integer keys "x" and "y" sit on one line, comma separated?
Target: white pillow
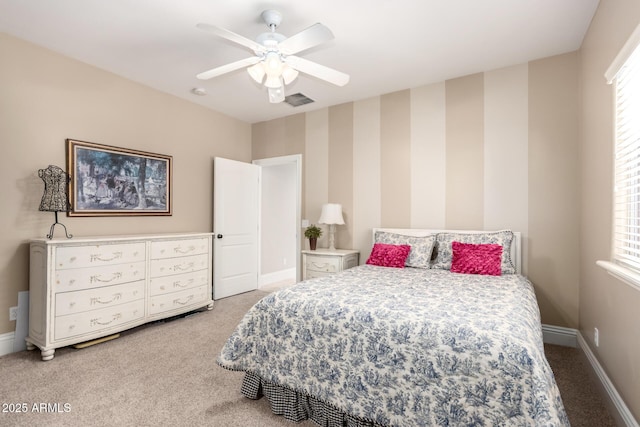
{"x": 421, "y": 247}
{"x": 444, "y": 254}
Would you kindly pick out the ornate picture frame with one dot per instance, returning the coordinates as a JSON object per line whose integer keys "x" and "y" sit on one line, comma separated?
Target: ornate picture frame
{"x": 115, "y": 181}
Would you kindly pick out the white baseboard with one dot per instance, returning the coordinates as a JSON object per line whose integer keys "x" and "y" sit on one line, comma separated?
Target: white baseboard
{"x": 277, "y": 276}
{"x": 569, "y": 337}
{"x": 558, "y": 335}
{"x": 6, "y": 343}
{"x": 622, "y": 412}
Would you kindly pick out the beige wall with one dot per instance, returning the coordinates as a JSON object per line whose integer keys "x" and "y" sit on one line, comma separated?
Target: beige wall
{"x": 395, "y": 151}
{"x": 464, "y": 158}
{"x": 46, "y": 98}
{"x": 606, "y": 303}
{"x": 553, "y": 241}
{"x": 477, "y": 152}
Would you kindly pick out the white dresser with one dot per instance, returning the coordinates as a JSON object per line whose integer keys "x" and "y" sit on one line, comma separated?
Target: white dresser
{"x": 82, "y": 289}
{"x": 323, "y": 262}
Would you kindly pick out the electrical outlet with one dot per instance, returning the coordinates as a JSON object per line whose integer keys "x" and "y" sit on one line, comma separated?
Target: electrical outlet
{"x": 596, "y": 337}
{"x": 13, "y": 313}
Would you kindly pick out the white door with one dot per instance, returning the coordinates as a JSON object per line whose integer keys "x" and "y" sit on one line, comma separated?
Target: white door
{"x": 236, "y": 202}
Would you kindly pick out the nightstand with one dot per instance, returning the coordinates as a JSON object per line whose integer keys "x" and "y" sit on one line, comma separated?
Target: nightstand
{"x": 323, "y": 262}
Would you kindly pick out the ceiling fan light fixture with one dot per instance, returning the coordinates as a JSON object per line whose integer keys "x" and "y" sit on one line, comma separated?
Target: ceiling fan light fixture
{"x": 276, "y": 95}
{"x": 289, "y": 74}
{"x": 273, "y": 82}
{"x": 257, "y": 72}
{"x": 273, "y": 64}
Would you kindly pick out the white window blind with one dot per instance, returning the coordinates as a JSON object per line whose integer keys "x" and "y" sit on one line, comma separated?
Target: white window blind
{"x": 626, "y": 232}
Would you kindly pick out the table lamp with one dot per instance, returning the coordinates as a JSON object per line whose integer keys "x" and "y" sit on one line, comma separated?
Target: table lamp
{"x": 332, "y": 216}
{"x": 55, "y": 198}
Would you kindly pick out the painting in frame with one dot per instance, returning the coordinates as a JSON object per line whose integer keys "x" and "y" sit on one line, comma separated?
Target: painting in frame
{"x": 114, "y": 181}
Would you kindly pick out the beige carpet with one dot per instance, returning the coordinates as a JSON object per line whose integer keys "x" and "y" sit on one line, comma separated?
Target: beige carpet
{"x": 164, "y": 374}
{"x": 582, "y": 401}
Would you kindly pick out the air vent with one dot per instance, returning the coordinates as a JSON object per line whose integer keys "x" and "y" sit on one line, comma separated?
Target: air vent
{"x": 297, "y": 99}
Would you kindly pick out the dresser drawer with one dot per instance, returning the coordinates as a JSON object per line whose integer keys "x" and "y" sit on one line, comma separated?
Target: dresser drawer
{"x": 92, "y": 299}
{"x": 178, "y": 300}
{"x": 163, "y": 267}
{"x": 312, "y": 274}
{"x": 350, "y": 261}
{"x": 178, "y": 282}
{"x": 102, "y": 320}
{"x": 323, "y": 264}
{"x": 99, "y": 255}
{"x": 177, "y": 248}
{"x": 85, "y": 278}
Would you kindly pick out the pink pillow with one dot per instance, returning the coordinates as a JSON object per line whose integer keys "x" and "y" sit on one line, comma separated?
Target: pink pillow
{"x": 472, "y": 258}
{"x": 386, "y": 255}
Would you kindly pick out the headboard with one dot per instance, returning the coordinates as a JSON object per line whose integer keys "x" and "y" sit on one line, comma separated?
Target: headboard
{"x": 516, "y": 245}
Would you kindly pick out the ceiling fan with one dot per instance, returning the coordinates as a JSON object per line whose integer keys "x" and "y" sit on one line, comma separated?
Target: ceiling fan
{"x": 275, "y": 64}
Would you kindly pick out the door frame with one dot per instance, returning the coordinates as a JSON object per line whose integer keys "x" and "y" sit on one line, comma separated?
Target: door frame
{"x": 278, "y": 161}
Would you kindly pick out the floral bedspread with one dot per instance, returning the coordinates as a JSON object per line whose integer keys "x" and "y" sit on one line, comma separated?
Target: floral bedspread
{"x": 406, "y": 347}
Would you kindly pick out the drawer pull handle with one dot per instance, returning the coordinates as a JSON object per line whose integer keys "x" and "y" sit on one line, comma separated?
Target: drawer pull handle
{"x": 116, "y": 297}
{"x": 178, "y": 302}
{"x": 114, "y": 318}
{"x": 183, "y": 267}
{"x": 179, "y": 249}
{"x": 98, "y": 279}
{"x": 179, "y": 284}
{"x": 98, "y": 257}
{"x": 324, "y": 265}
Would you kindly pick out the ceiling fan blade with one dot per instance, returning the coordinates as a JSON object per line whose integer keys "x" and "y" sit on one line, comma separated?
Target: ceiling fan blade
{"x": 338, "y": 78}
{"x": 228, "y": 68}
{"x": 230, "y": 35}
{"x": 305, "y": 39}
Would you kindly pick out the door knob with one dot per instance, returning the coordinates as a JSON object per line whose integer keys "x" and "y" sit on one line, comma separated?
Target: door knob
{"x": 219, "y": 236}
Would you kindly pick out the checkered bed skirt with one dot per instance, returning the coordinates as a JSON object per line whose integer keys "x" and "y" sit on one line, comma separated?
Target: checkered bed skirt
{"x": 295, "y": 406}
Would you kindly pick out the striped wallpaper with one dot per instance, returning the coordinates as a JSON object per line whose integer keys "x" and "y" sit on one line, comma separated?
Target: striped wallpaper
{"x": 487, "y": 151}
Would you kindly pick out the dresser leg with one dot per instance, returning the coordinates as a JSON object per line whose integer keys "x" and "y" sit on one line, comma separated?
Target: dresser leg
{"x": 30, "y": 346}
{"x": 47, "y": 354}
{"x": 210, "y": 306}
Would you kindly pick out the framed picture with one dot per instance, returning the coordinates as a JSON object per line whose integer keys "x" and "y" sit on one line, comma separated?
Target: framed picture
{"x": 113, "y": 181}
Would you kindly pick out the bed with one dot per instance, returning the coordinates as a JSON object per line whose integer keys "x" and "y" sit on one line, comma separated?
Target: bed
{"x": 419, "y": 344}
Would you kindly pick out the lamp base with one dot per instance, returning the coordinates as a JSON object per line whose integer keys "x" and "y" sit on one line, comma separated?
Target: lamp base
{"x": 332, "y": 237}
{"x": 50, "y": 235}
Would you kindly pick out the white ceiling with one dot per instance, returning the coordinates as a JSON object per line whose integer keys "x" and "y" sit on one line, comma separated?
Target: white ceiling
{"x": 384, "y": 45}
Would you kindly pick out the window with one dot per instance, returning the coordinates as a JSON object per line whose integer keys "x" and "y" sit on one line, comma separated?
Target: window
{"x": 626, "y": 232}
{"x": 624, "y": 73}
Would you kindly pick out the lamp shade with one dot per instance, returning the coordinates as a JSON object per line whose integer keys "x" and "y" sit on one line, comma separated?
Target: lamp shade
{"x": 55, "y": 198}
{"x": 257, "y": 72}
{"x": 331, "y": 214}
{"x": 288, "y": 74}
